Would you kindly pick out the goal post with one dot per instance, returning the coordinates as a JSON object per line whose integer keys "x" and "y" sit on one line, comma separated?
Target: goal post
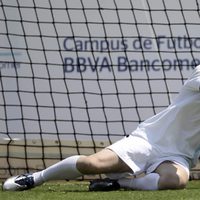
{"x": 77, "y": 75}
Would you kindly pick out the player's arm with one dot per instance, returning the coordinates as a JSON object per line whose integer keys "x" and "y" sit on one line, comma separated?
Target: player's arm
{"x": 193, "y": 82}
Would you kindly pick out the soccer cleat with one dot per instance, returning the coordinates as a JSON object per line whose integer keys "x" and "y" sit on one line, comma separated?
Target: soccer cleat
{"x": 19, "y": 183}
{"x": 104, "y": 185}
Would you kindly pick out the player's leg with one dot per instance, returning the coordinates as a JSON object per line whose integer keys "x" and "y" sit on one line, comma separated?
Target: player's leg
{"x": 105, "y": 161}
{"x": 167, "y": 175}
{"x": 172, "y": 176}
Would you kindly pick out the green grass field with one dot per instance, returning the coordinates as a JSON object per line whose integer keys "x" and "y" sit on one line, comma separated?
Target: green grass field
{"x": 79, "y": 191}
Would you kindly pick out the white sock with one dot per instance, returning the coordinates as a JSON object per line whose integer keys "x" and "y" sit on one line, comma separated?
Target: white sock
{"x": 63, "y": 170}
{"x": 147, "y": 182}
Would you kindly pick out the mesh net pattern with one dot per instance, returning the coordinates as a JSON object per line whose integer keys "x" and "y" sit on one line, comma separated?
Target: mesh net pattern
{"x": 77, "y": 75}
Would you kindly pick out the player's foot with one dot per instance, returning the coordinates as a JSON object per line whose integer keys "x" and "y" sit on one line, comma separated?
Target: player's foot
{"x": 19, "y": 183}
{"x": 104, "y": 185}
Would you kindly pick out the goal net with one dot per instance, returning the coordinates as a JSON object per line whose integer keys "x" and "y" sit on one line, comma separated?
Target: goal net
{"x": 77, "y": 75}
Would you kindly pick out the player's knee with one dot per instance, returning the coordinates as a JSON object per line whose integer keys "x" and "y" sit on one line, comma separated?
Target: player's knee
{"x": 88, "y": 165}
{"x": 172, "y": 176}
{"x": 172, "y": 181}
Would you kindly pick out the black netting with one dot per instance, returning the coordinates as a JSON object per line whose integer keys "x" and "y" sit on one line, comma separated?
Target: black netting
{"x": 77, "y": 75}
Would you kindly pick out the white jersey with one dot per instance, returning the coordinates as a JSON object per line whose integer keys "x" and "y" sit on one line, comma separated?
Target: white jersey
{"x": 176, "y": 130}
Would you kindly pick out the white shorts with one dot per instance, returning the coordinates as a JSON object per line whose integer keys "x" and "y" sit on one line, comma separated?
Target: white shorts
{"x": 141, "y": 157}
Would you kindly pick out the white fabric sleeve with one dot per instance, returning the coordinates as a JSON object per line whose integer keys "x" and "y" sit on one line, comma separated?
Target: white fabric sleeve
{"x": 193, "y": 82}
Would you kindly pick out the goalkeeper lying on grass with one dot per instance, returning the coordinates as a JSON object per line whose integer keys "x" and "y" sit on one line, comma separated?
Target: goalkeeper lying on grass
{"x": 164, "y": 148}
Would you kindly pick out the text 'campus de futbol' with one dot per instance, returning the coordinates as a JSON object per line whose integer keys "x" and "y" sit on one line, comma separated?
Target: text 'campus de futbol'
{"x": 97, "y": 54}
